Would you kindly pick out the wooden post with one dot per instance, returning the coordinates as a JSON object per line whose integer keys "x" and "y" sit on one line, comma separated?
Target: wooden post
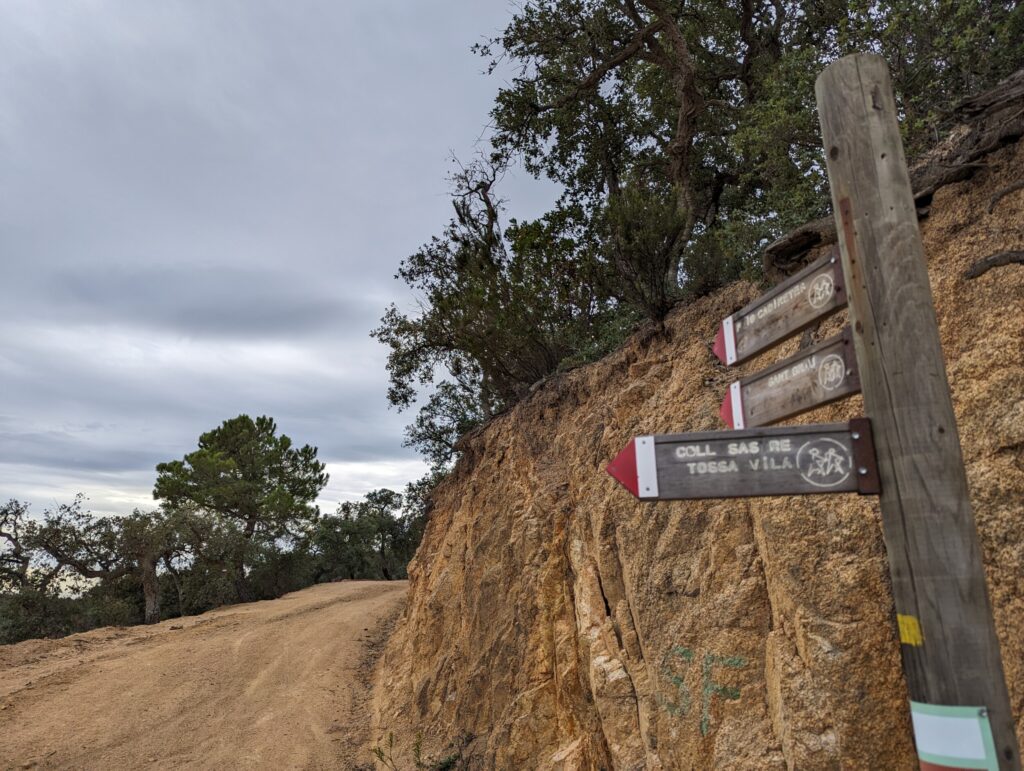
{"x": 948, "y": 639}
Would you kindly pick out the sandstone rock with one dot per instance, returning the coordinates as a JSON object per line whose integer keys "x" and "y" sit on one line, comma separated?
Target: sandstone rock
{"x": 566, "y": 626}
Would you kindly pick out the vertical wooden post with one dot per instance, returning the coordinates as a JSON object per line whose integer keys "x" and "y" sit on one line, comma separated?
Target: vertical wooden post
{"x": 948, "y": 640}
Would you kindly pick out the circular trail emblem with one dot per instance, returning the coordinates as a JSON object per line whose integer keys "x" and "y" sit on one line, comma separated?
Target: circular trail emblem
{"x": 831, "y": 372}
{"x": 820, "y": 291}
{"x": 823, "y": 462}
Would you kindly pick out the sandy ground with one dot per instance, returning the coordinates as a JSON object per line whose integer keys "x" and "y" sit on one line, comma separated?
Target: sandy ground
{"x": 282, "y": 684}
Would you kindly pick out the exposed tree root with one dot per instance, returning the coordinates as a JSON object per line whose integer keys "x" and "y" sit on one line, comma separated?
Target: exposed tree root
{"x": 977, "y": 127}
{"x": 996, "y": 260}
{"x": 1003, "y": 193}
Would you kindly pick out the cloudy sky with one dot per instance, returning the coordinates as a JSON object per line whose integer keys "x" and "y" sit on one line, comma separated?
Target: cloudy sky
{"x": 202, "y": 207}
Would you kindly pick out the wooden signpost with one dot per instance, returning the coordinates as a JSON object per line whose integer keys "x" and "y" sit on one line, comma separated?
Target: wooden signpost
{"x": 959, "y": 705}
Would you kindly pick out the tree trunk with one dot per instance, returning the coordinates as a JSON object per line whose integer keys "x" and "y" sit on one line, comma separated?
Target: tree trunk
{"x": 177, "y": 585}
{"x": 150, "y": 588}
{"x": 242, "y": 591}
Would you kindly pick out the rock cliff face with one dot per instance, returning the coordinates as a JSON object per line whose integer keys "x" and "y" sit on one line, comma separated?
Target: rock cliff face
{"x": 565, "y": 625}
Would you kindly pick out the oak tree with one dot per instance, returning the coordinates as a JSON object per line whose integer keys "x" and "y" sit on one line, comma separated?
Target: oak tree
{"x": 106, "y": 548}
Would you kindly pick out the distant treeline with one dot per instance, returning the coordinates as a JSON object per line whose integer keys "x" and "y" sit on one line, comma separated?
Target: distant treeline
{"x": 684, "y": 138}
{"x": 236, "y": 522}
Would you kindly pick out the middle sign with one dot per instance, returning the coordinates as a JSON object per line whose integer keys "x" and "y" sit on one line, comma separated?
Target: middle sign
{"x": 809, "y": 378}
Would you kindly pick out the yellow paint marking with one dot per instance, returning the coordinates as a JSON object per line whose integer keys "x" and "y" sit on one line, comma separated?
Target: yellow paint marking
{"x": 910, "y": 630}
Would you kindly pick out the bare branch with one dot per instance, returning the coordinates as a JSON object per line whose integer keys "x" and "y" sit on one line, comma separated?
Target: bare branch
{"x": 597, "y": 74}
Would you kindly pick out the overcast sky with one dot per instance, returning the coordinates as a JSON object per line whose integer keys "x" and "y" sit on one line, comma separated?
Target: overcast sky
{"x": 202, "y": 207}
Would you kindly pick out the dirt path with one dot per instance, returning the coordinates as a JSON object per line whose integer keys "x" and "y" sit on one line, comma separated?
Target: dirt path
{"x": 281, "y": 684}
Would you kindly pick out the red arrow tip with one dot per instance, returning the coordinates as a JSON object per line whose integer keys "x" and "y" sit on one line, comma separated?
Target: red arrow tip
{"x": 719, "y": 347}
{"x": 623, "y": 468}
{"x": 726, "y": 411}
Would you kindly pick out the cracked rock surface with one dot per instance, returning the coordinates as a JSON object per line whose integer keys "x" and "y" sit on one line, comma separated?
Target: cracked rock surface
{"x": 566, "y": 626}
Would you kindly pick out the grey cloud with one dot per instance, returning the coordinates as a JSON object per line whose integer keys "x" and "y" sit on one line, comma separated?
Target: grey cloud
{"x": 63, "y": 451}
{"x": 213, "y": 301}
{"x": 202, "y": 207}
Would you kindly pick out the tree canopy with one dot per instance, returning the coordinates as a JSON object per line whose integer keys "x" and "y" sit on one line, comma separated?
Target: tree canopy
{"x": 257, "y": 487}
{"x": 107, "y": 547}
{"x": 68, "y": 569}
{"x": 684, "y": 137}
{"x": 372, "y": 538}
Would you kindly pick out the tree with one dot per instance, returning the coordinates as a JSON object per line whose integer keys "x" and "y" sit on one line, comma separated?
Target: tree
{"x": 106, "y": 548}
{"x": 372, "y": 538}
{"x": 685, "y": 139}
{"x": 15, "y": 554}
{"x": 252, "y": 487}
{"x": 503, "y": 306}
{"x": 360, "y": 540}
{"x": 709, "y": 108}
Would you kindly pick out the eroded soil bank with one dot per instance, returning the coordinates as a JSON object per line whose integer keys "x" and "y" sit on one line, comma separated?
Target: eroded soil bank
{"x": 564, "y": 625}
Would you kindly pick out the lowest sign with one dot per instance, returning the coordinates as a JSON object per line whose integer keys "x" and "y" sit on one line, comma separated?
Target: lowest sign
{"x": 793, "y": 460}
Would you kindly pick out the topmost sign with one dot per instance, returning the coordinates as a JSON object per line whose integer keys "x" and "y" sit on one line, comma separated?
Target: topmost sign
{"x": 799, "y": 301}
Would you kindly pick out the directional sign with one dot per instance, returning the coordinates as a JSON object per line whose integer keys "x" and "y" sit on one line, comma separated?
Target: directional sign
{"x": 808, "y": 379}
{"x": 792, "y": 460}
{"x": 799, "y": 301}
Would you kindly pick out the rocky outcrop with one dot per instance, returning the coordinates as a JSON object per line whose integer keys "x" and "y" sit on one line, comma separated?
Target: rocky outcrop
{"x": 564, "y": 625}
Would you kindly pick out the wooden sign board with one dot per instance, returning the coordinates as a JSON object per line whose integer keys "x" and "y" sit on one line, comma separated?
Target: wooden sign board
{"x": 812, "y": 294}
{"x": 792, "y": 460}
{"x": 818, "y": 375}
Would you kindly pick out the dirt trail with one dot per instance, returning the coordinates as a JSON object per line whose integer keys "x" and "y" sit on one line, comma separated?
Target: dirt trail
{"x": 281, "y": 684}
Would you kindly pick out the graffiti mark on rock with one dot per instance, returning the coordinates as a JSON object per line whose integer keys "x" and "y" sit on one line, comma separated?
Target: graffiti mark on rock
{"x": 674, "y": 667}
{"x": 683, "y": 702}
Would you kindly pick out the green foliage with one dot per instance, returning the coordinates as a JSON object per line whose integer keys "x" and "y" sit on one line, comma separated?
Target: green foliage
{"x": 367, "y": 539}
{"x": 16, "y": 551}
{"x": 70, "y": 570}
{"x": 75, "y": 543}
{"x": 645, "y": 233}
{"x": 244, "y": 471}
{"x": 455, "y": 759}
{"x": 245, "y": 488}
{"x": 718, "y": 101}
{"x": 685, "y": 139}
{"x": 503, "y": 307}
{"x": 49, "y": 571}
{"x": 34, "y": 613}
{"x": 939, "y": 51}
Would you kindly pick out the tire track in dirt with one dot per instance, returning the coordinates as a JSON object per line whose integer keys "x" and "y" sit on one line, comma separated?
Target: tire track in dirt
{"x": 280, "y": 684}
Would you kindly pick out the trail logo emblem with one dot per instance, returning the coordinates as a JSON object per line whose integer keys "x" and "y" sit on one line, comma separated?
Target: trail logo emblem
{"x": 831, "y": 372}
{"x": 824, "y": 462}
{"x": 820, "y": 291}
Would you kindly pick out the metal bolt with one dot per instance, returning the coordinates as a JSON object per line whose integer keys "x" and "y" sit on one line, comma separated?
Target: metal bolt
{"x": 862, "y": 471}
{"x": 855, "y": 435}
{"x": 832, "y": 260}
